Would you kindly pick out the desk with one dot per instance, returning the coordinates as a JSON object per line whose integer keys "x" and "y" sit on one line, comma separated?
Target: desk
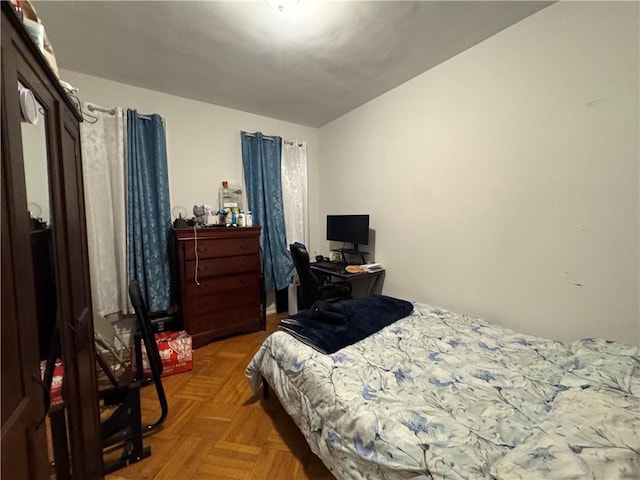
{"x": 372, "y": 282}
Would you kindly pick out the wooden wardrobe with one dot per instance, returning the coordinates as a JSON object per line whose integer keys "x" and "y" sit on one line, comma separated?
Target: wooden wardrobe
{"x": 48, "y": 157}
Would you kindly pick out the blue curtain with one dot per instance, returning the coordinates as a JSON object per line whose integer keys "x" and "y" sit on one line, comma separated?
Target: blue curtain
{"x": 148, "y": 209}
{"x": 261, "y": 162}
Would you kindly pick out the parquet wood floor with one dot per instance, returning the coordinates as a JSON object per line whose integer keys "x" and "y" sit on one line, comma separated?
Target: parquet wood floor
{"x": 217, "y": 429}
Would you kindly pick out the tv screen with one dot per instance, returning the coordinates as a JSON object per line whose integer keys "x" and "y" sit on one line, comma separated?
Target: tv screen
{"x": 348, "y": 228}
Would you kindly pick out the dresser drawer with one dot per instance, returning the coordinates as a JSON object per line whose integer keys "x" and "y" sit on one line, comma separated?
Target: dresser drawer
{"x": 223, "y": 319}
{"x": 216, "y": 310}
{"x": 220, "y": 247}
{"x": 218, "y": 301}
{"x": 212, "y": 285}
{"x": 222, "y": 266}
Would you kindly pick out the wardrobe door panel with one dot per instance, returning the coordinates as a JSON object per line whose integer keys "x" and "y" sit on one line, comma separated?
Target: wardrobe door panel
{"x": 23, "y": 440}
{"x": 85, "y": 439}
{"x": 75, "y": 225}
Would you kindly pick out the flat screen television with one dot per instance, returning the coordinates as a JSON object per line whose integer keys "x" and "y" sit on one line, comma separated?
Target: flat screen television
{"x": 348, "y": 228}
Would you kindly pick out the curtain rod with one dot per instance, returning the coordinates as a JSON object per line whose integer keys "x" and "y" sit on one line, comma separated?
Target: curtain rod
{"x": 112, "y": 111}
{"x": 288, "y": 142}
{"x": 267, "y": 137}
{"x": 98, "y": 108}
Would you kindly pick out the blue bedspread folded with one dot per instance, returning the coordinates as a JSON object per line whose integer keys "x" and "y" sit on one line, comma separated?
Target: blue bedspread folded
{"x": 364, "y": 316}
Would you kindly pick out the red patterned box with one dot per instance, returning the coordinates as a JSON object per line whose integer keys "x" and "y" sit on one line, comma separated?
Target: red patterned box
{"x": 56, "y": 383}
{"x": 175, "y": 353}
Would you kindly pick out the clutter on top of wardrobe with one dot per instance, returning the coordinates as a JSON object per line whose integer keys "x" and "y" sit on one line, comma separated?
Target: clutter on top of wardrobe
{"x": 27, "y": 13}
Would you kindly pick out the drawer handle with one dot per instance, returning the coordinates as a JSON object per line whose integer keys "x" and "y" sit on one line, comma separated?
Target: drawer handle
{"x": 243, "y": 246}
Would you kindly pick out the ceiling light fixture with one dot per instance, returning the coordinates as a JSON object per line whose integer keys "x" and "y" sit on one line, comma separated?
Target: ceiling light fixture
{"x": 282, "y": 5}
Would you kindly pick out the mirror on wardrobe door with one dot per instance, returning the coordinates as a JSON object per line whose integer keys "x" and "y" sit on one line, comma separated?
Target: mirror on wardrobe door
{"x": 36, "y": 170}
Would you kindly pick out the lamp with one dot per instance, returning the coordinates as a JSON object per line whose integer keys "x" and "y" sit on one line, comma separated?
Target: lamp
{"x": 282, "y": 5}
{"x": 180, "y": 217}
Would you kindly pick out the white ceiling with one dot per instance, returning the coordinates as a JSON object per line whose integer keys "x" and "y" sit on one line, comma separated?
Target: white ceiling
{"x": 308, "y": 66}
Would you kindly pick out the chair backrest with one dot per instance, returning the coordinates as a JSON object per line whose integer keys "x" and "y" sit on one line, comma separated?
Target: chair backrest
{"x": 309, "y": 284}
{"x": 151, "y": 347}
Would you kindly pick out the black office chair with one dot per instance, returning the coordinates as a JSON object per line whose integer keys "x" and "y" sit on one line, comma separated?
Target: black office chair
{"x": 312, "y": 286}
{"x": 124, "y": 427}
{"x": 146, "y": 335}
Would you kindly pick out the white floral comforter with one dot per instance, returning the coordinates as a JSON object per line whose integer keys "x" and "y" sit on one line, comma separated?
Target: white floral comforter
{"x": 441, "y": 395}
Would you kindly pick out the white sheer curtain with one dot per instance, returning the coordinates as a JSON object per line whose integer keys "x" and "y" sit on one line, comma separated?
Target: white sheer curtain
{"x": 103, "y": 167}
{"x": 295, "y": 191}
{"x": 295, "y": 198}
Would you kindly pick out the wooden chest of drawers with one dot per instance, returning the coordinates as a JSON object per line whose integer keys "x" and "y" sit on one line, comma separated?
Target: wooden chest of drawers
{"x": 220, "y": 288}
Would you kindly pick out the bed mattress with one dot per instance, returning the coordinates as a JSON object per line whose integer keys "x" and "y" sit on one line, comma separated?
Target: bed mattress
{"x": 442, "y": 395}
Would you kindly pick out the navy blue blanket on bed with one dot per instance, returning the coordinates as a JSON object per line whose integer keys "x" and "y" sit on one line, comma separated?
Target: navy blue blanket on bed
{"x": 364, "y": 316}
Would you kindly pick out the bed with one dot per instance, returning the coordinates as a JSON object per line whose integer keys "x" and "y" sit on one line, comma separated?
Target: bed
{"x": 440, "y": 395}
